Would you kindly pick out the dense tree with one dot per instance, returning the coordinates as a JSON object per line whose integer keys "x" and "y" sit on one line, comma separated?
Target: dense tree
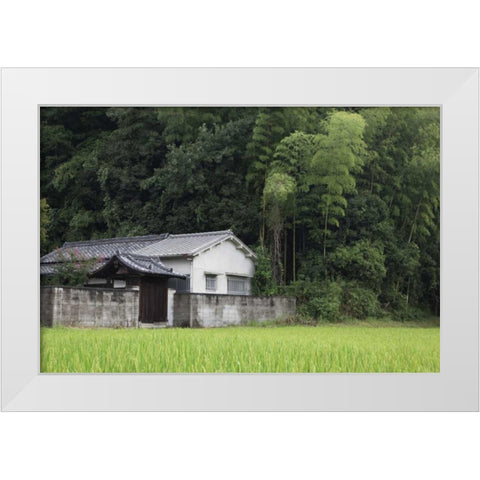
{"x": 66, "y": 134}
{"x": 362, "y": 261}
{"x": 271, "y": 126}
{"x": 44, "y": 224}
{"x": 334, "y": 164}
{"x": 293, "y": 156}
{"x": 202, "y": 184}
{"x": 341, "y": 203}
{"x": 279, "y": 196}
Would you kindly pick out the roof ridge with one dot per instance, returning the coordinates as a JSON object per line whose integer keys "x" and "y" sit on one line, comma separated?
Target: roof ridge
{"x": 159, "y": 236}
{"x": 145, "y": 258}
{"x": 139, "y": 264}
{"x": 200, "y": 234}
{"x": 150, "y": 258}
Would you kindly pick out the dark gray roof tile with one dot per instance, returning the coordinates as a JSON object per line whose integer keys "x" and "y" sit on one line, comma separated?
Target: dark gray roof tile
{"x": 102, "y": 248}
{"x": 138, "y": 249}
{"x": 140, "y": 264}
{"x": 184, "y": 244}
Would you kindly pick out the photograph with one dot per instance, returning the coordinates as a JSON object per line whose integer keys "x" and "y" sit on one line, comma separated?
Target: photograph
{"x": 239, "y": 239}
{"x": 223, "y": 228}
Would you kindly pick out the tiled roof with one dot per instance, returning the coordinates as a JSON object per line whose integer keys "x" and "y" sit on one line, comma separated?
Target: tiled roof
{"x": 141, "y": 248}
{"x": 48, "y": 268}
{"x": 103, "y": 248}
{"x": 52, "y": 268}
{"x": 184, "y": 244}
{"x": 140, "y": 264}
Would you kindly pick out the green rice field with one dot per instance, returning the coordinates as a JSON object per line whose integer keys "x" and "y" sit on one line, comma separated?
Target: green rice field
{"x": 293, "y": 349}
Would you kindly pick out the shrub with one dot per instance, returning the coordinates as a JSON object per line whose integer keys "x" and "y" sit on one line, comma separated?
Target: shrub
{"x": 401, "y": 311}
{"x": 332, "y": 301}
{"x": 71, "y": 271}
{"x": 363, "y": 262}
{"x": 319, "y": 300}
{"x": 262, "y": 281}
{"x": 359, "y": 302}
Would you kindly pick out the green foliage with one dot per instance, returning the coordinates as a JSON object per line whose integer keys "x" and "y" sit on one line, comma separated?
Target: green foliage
{"x": 279, "y": 189}
{"x": 338, "y": 157}
{"x": 69, "y": 139}
{"x": 44, "y": 223}
{"x": 272, "y": 125}
{"x": 359, "y": 302}
{"x": 295, "y": 349}
{"x": 262, "y": 281}
{"x": 278, "y": 199}
{"x": 294, "y": 153}
{"x": 332, "y": 301}
{"x": 319, "y": 300}
{"x": 72, "y": 270}
{"x": 345, "y": 195}
{"x": 361, "y": 261}
{"x": 201, "y": 184}
{"x": 402, "y": 311}
{"x": 366, "y": 217}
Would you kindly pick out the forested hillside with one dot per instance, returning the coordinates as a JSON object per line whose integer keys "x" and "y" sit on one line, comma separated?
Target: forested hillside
{"x": 341, "y": 204}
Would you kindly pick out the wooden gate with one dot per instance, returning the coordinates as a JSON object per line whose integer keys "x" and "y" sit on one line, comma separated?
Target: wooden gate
{"x": 153, "y": 300}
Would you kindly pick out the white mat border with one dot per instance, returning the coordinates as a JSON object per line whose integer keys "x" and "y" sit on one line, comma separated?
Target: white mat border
{"x": 455, "y": 388}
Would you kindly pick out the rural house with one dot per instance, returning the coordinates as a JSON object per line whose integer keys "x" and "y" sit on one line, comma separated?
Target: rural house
{"x": 196, "y": 280}
{"x": 208, "y": 262}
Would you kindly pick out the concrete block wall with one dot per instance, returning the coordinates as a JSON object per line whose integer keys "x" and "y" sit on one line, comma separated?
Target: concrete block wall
{"x": 181, "y": 309}
{"x": 215, "y": 310}
{"x": 88, "y": 307}
{"x": 104, "y": 307}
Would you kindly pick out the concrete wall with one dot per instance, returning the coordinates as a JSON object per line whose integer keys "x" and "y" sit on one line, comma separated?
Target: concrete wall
{"x": 221, "y": 260}
{"x": 210, "y": 310}
{"x": 171, "y": 294}
{"x": 104, "y": 307}
{"x": 88, "y": 307}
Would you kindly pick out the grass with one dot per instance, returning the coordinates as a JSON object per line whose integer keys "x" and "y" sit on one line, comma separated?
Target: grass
{"x": 295, "y": 349}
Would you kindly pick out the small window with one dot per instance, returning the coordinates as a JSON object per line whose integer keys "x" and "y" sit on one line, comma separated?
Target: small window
{"x": 119, "y": 284}
{"x": 211, "y": 283}
{"x": 179, "y": 284}
{"x": 237, "y": 285}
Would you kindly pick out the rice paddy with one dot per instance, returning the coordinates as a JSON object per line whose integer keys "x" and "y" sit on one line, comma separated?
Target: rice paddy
{"x": 285, "y": 349}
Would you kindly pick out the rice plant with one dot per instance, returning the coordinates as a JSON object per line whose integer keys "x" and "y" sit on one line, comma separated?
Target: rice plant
{"x": 288, "y": 349}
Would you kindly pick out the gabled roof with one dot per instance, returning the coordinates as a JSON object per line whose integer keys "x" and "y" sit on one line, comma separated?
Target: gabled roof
{"x": 137, "y": 264}
{"x": 190, "y": 244}
{"x": 102, "y": 248}
{"x": 147, "y": 246}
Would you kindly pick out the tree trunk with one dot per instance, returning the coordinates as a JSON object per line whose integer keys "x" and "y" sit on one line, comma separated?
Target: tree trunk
{"x": 285, "y": 255}
{"x": 371, "y": 179}
{"x": 408, "y": 290}
{"x": 325, "y": 243}
{"x": 262, "y": 233}
{"x": 277, "y": 231}
{"x": 414, "y": 222}
{"x": 391, "y": 200}
{"x": 325, "y": 236}
{"x": 293, "y": 245}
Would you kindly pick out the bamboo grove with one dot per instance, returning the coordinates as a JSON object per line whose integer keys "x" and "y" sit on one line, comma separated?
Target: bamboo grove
{"x": 341, "y": 204}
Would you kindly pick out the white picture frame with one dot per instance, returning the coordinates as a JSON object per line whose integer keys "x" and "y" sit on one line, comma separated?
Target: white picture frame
{"x": 455, "y": 388}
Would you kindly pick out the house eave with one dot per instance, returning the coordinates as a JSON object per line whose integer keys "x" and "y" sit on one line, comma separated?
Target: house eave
{"x": 134, "y": 268}
{"x": 239, "y": 245}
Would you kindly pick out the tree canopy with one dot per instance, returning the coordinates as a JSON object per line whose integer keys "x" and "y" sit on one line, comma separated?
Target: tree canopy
{"x": 341, "y": 203}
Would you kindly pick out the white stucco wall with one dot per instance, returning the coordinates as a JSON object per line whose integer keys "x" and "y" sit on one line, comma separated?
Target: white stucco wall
{"x": 223, "y": 259}
{"x": 179, "y": 264}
